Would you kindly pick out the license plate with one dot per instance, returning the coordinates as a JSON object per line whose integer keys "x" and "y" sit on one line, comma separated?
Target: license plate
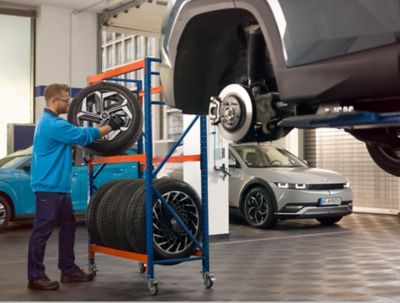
{"x": 330, "y": 201}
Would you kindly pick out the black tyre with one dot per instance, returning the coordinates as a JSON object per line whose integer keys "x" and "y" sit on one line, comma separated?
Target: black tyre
{"x": 91, "y": 213}
{"x": 387, "y": 158}
{"x": 107, "y": 212}
{"x": 129, "y": 194}
{"x": 258, "y": 208}
{"x": 5, "y": 213}
{"x": 329, "y": 220}
{"x": 94, "y": 105}
{"x": 169, "y": 239}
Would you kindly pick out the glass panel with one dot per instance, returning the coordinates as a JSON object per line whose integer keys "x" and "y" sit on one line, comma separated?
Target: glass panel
{"x": 313, "y": 30}
{"x": 109, "y": 56}
{"x": 118, "y": 51}
{"x": 128, "y": 50}
{"x": 15, "y": 74}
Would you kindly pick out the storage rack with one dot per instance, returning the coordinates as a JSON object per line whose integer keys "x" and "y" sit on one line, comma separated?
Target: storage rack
{"x": 146, "y": 261}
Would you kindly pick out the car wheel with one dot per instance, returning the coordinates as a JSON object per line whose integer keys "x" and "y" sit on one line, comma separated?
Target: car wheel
{"x": 387, "y": 158}
{"x": 258, "y": 208}
{"x": 169, "y": 240}
{"x": 5, "y": 213}
{"x": 94, "y": 105}
{"x": 329, "y": 220}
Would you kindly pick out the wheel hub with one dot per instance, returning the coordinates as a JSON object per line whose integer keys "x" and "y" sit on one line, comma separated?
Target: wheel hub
{"x": 231, "y": 113}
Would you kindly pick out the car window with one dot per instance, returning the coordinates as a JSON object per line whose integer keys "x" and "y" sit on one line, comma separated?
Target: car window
{"x": 232, "y": 160}
{"x": 14, "y": 158}
{"x": 268, "y": 156}
{"x": 313, "y": 30}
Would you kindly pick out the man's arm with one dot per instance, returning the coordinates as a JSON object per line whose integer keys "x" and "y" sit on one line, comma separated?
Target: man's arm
{"x": 104, "y": 130}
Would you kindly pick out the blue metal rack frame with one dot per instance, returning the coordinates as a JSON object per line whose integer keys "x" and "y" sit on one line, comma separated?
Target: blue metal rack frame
{"x": 203, "y": 248}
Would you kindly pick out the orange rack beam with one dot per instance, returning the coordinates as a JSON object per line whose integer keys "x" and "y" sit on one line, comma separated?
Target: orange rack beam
{"x": 116, "y": 72}
{"x": 142, "y": 158}
{"x": 117, "y": 253}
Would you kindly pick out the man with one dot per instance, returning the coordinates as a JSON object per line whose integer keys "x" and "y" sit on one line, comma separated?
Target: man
{"x": 51, "y": 183}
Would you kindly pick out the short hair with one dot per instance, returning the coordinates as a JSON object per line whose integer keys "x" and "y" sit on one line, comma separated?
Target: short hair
{"x": 54, "y": 90}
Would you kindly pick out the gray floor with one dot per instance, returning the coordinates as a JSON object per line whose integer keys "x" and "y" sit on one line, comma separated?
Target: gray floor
{"x": 357, "y": 260}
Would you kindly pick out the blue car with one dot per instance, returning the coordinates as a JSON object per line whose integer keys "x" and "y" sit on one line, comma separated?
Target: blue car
{"x": 17, "y": 199}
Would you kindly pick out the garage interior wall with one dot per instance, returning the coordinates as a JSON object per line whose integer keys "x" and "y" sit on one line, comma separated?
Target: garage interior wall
{"x": 374, "y": 190}
{"x": 65, "y": 49}
{"x": 15, "y": 74}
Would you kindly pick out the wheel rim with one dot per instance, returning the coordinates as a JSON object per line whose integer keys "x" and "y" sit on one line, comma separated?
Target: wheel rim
{"x": 3, "y": 214}
{"x": 97, "y": 107}
{"x": 168, "y": 236}
{"x": 256, "y": 207}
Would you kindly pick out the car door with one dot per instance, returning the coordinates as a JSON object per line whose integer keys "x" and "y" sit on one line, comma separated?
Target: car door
{"x": 235, "y": 180}
{"x": 25, "y": 202}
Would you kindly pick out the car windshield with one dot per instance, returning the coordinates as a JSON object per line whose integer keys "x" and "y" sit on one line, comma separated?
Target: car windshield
{"x": 12, "y": 159}
{"x": 267, "y": 156}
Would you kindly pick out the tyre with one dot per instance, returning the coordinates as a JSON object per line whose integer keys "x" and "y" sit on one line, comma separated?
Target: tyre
{"x": 91, "y": 213}
{"x": 387, "y": 158}
{"x": 5, "y": 213}
{"x": 329, "y": 220}
{"x": 169, "y": 239}
{"x": 94, "y": 105}
{"x": 109, "y": 210}
{"x": 258, "y": 208}
{"x": 129, "y": 194}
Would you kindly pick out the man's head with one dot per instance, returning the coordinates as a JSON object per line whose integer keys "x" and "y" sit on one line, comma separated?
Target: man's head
{"x": 57, "y": 98}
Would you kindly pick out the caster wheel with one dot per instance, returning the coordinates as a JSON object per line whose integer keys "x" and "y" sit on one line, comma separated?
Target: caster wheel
{"x": 153, "y": 287}
{"x": 92, "y": 269}
{"x": 208, "y": 279}
{"x": 142, "y": 267}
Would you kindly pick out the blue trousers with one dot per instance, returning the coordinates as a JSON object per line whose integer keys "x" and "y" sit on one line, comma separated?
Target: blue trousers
{"x": 52, "y": 209}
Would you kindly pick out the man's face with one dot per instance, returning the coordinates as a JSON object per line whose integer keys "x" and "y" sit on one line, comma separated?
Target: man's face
{"x": 62, "y": 102}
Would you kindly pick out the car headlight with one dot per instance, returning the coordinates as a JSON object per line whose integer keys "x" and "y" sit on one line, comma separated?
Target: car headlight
{"x": 347, "y": 185}
{"x": 291, "y": 185}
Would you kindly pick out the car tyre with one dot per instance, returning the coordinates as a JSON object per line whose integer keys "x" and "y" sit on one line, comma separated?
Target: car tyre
{"x": 329, "y": 220}
{"x": 5, "y": 213}
{"x": 386, "y": 158}
{"x": 95, "y": 104}
{"x": 92, "y": 210}
{"x": 258, "y": 208}
{"x": 169, "y": 240}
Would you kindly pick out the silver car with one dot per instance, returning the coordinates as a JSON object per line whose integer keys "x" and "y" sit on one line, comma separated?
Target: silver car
{"x": 269, "y": 183}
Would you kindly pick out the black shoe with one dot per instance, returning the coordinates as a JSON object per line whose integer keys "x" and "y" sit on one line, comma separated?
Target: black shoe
{"x": 79, "y": 276}
{"x": 43, "y": 284}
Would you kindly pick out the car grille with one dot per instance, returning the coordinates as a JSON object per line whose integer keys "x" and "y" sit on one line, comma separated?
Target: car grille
{"x": 326, "y": 186}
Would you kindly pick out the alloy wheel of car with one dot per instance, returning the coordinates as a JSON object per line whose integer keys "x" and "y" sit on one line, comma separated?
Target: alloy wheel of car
{"x": 96, "y": 104}
{"x": 258, "y": 208}
{"x": 387, "y": 158}
{"x": 5, "y": 213}
{"x": 168, "y": 236}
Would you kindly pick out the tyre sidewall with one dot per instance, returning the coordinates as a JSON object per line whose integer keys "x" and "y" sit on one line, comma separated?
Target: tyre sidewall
{"x": 269, "y": 220}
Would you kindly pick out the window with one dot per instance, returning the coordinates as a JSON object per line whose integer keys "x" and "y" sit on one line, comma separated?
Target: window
{"x": 138, "y": 48}
{"x": 150, "y": 49}
{"x": 128, "y": 50}
{"x": 109, "y": 56}
{"x": 118, "y": 35}
{"x": 103, "y": 58}
{"x": 109, "y": 36}
{"x": 118, "y": 51}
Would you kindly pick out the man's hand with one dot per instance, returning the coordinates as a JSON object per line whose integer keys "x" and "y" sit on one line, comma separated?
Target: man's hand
{"x": 116, "y": 122}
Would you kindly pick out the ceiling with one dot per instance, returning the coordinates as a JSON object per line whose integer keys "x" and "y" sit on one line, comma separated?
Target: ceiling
{"x": 121, "y": 15}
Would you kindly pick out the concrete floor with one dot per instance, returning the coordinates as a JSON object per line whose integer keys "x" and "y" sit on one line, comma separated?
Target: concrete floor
{"x": 299, "y": 260}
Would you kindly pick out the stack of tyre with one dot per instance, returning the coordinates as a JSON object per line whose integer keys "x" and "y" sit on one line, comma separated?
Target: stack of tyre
{"x": 116, "y": 212}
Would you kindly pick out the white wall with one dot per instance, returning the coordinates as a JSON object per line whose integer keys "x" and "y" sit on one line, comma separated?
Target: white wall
{"x": 218, "y": 189}
{"x": 65, "y": 48}
{"x": 15, "y": 74}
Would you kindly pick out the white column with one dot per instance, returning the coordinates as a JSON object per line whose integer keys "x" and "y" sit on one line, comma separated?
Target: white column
{"x": 218, "y": 189}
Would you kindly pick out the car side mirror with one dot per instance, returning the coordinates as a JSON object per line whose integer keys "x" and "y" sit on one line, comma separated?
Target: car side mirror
{"x": 26, "y": 167}
{"x": 234, "y": 164}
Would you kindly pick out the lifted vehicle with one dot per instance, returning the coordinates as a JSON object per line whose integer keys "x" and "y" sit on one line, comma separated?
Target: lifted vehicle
{"x": 261, "y": 67}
